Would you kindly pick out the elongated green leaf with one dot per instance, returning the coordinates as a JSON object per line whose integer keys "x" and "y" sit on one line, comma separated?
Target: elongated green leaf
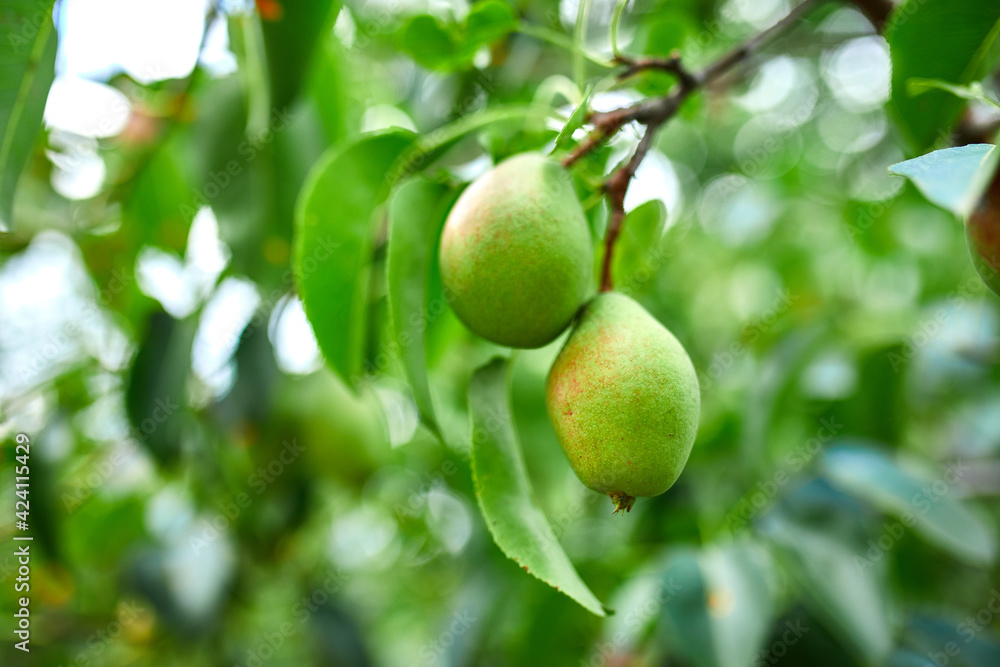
{"x": 719, "y": 603}
{"x": 156, "y": 396}
{"x": 428, "y": 147}
{"x": 638, "y": 604}
{"x": 641, "y": 232}
{"x": 937, "y": 638}
{"x": 949, "y": 40}
{"x": 505, "y": 496}
{"x": 685, "y": 616}
{"x": 846, "y": 596}
{"x": 329, "y": 86}
{"x": 952, "y": 178}
{"x": 924, "y": 505}
{"x": 291, "y": 33}
{"x": 740, "y": 601}
{"x": 27, "y": 67}
{"x": 333, "y": 243}
{"x": 616, "y": 19}
{"x": 574, "y": 122}
{"x": 416, "y": 214}
{"x": 579, "y": 40}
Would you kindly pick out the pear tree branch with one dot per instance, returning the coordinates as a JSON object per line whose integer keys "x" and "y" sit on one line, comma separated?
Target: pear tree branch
{"x": 654, "y": 112}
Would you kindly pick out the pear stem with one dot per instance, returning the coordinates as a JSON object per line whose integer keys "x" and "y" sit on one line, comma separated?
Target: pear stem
{"x": 623, "y": 502}
{"x": 655, "y": 112}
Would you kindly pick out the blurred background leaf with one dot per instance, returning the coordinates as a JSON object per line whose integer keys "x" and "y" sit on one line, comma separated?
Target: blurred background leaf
{"x": 335, "y": 234}
{"x": 166, "y": 246}
{"x": 27, "y": 62}
{"x": 949, "y": 41}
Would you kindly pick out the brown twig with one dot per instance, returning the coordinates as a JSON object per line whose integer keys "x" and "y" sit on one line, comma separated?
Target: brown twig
{"x": 671, "y": 65}
{"x": 655, "y": 112}
{"x": 616, "y": 187}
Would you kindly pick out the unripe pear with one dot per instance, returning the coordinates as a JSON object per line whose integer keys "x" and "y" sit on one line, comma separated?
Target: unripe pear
{"x": 624, "y": 399}
{"x": 516, "y": 256}
{"x": 982, "y": 231}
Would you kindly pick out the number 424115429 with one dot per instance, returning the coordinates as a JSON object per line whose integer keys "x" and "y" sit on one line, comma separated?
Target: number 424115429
{"x": 21, "y": 481}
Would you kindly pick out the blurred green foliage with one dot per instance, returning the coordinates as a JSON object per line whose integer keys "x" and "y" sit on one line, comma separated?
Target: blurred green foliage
{"x": 205, "y": 491}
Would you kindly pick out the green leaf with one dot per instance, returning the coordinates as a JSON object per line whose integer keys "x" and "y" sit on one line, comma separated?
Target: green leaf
{"x": 160, "y": 200}
{"x": 428, "y": 147}
{"x": 947, "y": 40}
{"x": 739, "y": 579}
{"x": 504, "y": 491}
{"x": 933, "y": 636}
{"x": 719, "y": 603}
{"x": 246, "y": 41}
{"x": 27, "y": 67}
{"x": 974, "y": 91}
{"x": 329, "y": 87}
{"x": 429, "y": 43}
{"x": 557, "y": 38}
{"x": 579, "y": 40}
{"x": 626, "y": 629}
{"x": 846, "y": 596}
{"x": 685, "y": 618}
{"x": 417, "y": 212}
{"x": 952, "y": 178}
{"x": 616, "y": 18}
{"x": 486, "y": 23}
{"x": 575, "y": 121}
{"x": 156, "y": 395}
{"x": 923, "y": 504}
{"x": 450, "y": 46}
{"x": 334, "y": 241}
{"x": 664, "y": 33}
{"x": 290, "y": 37}
{"x": 641, "y": 232}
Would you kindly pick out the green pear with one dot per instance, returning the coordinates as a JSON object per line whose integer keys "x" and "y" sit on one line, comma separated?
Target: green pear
{"x": 344, "y": 434}
{"x": 516, "y": 256}
{"x": 624, "y": 399}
